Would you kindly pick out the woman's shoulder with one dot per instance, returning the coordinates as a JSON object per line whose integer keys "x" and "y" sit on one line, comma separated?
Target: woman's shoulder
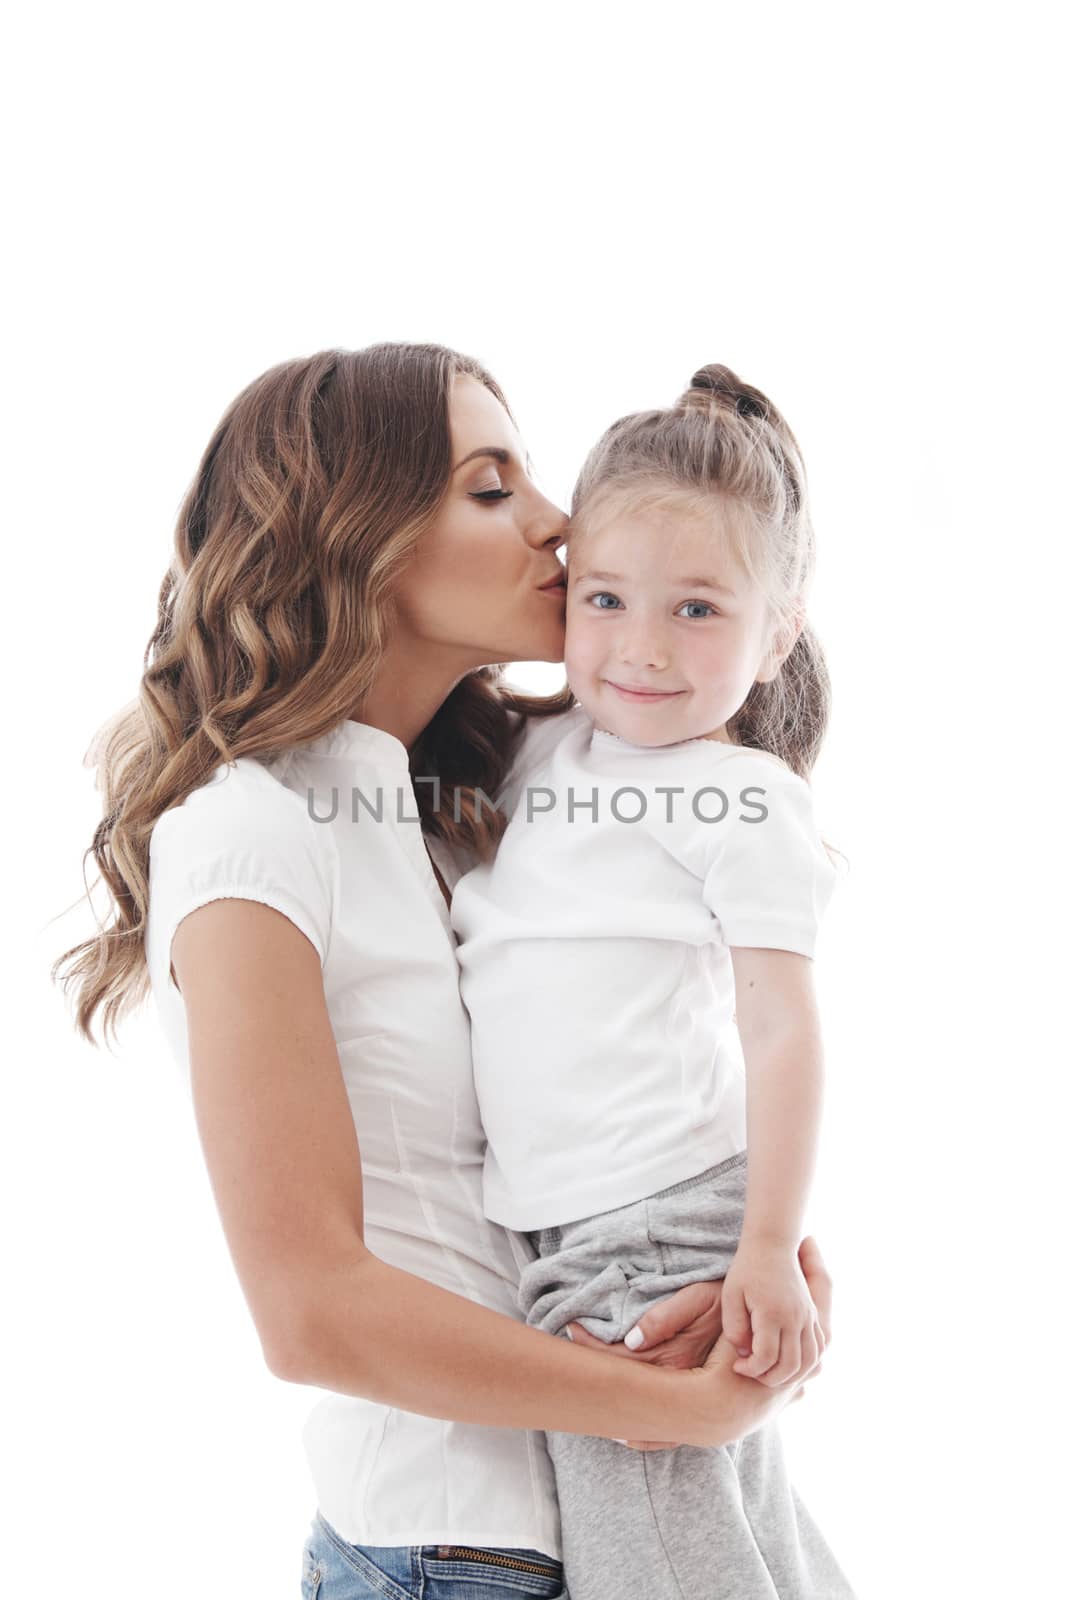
{"x": 241, "y": 834}
{"x": 243, "y": 806}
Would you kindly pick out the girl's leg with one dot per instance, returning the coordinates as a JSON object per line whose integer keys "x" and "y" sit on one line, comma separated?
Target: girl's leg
{"x": 665, "y": 1524}
{"x": 797, "y": 1556}
{"x": 688, "y": 1524}
{"x": 721, "y": 1523}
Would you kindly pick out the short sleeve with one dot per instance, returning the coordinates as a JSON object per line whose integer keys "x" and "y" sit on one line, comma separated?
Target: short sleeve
{"x": 767, "y": 876}
{"x": 242, "y": 835}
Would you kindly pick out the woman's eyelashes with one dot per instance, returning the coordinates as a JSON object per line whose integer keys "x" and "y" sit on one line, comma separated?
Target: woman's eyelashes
{"x": 491, "y": 494}
{"x": 707, "y": 609}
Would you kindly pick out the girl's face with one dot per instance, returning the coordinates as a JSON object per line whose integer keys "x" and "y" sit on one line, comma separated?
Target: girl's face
{"x": 474, "y": 591}
{"x": 666, "y": 632}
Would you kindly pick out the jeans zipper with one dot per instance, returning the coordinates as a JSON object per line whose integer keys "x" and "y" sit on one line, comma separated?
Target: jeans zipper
{"x": 452, "y": 1552}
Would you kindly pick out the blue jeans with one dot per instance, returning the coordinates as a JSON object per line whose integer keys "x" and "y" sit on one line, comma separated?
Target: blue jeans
{"x": 336, "y": 1570}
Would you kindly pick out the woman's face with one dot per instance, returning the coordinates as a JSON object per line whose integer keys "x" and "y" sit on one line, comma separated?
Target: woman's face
{"x": 474, "y": 590}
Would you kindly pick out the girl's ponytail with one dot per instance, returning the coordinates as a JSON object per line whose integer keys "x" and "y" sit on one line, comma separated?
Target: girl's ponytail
{"x": 717, "y": 384}
{"x": 715, "y": 390}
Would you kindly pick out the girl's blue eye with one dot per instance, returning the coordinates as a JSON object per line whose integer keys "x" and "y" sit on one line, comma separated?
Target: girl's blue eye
{"x": 492, "y": 494}
{"x": 702, "y": 605}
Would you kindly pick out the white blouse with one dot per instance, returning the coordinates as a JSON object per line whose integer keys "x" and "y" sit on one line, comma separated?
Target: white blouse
{"x": 328, "y": 834}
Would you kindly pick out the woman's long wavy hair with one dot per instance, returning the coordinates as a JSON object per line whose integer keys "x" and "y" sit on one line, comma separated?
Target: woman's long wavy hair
{"x": 724, "y": 441}
{"x": 312, "y": 495}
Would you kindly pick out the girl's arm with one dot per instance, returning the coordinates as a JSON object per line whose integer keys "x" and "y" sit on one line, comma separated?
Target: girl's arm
{"x": 283, "y": 1157}
{"x": 767, "y": 1309}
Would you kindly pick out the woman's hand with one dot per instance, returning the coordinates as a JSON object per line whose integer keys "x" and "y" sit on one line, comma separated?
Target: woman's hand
{"x": 682, "y": 1330}
{"x": 679, "y": 1332}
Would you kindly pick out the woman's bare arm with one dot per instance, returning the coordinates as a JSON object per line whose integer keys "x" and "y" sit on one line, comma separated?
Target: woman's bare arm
{"x": 283, "y": 1158}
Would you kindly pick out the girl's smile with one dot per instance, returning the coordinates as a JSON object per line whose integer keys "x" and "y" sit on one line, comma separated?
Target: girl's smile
{"x": 637, "y": 695}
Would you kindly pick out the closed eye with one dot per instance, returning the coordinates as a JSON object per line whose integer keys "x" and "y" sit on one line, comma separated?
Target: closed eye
{"x": 492, "y": 494}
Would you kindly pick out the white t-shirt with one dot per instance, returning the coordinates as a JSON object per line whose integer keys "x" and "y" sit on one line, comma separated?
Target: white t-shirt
{"x": 364, "y": 893}
{"x": 596, "y": 966}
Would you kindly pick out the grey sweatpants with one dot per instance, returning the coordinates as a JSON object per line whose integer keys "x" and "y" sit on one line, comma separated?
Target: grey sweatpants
{"x": 683, "y": 1524}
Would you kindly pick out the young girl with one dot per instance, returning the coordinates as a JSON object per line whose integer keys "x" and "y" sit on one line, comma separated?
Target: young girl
{"x": 636, "y": 962}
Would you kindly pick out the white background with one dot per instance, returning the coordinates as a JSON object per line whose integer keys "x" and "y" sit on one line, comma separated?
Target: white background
{"x": 854, "y": 208}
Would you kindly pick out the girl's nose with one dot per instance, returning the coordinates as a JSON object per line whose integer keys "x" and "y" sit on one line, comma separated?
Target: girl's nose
{"x": 642, "y": 647}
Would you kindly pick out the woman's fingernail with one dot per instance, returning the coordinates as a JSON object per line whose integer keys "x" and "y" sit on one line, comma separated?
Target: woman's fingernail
{"x": 634, "y": 1339}
{"x": 618, "y": 1441}
{"x": 569, "y": 1334}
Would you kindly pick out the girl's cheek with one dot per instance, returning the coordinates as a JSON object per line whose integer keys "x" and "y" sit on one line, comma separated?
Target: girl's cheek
{"x": 580, "y": 648}
{"x": 578, "y": 657}
{"x": 720, "y": 655}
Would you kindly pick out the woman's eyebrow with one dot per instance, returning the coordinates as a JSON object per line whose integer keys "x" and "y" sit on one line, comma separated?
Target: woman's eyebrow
{"x": 497, "y": 454}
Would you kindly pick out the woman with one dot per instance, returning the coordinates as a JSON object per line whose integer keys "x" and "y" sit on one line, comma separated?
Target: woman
{"x": 360, "y": 551}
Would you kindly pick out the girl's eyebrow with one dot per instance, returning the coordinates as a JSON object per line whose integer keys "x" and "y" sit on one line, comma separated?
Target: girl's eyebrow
{"x": 706, "y": 583}
{"x": 679, "y": 583}
{"x": 495, "y": 452}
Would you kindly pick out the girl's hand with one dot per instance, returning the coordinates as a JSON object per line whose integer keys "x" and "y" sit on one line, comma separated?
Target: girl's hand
{"x": 769, "y": 1314}
{"x": 665, "y": 1332}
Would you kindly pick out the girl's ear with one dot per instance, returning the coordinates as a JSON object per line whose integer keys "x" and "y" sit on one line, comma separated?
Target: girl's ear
{"x": 783, "y": 639}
